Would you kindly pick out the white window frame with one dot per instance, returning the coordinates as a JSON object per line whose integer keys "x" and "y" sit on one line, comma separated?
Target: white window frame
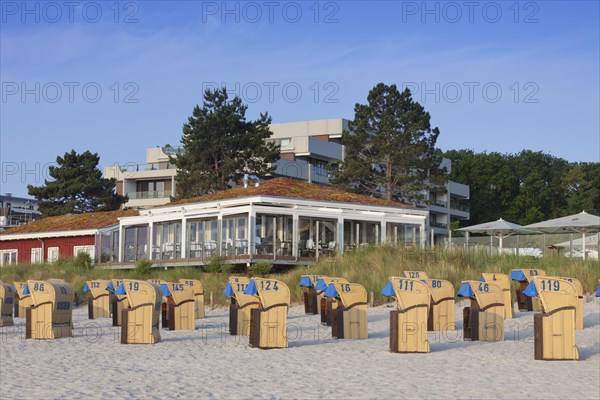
{"x": 89, "y": 249}
{"x": 9, "y": 252}
{"x": 51, "y": 250}
{"x": 37, "y": 255}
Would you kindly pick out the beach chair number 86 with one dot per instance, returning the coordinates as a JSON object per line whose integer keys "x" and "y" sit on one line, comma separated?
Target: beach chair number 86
{"x": 38, "y": 286}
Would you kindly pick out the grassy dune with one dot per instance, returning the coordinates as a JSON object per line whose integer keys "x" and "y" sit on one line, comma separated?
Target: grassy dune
{"x": 370, "y": 267}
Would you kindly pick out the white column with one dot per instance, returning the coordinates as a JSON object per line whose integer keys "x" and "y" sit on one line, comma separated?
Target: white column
{"x": 219, "y": 234}
{"x": 295, "y": 236}
{"x": 383, "y": 234}
{"x": 422, "y": 234}
{"x": 251, "y": 231}
{"x": 120, "y": 257}
{"x": 150, "y": 240}
{"x": 340, "y": 234}
{"x": 184, "y": 238}
{"x": 317, "y": 240}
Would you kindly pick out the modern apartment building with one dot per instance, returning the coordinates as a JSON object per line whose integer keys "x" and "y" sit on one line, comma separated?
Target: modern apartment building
{"x": 307, "y": 147}
{"x": 15, "y": 211}
{"x": 147, "y": 185}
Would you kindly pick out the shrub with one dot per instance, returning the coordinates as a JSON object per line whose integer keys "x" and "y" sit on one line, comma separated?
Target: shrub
{"x": 215, "y": 265}
{"x": 260, "y": 268}
{"x": 226, "y": 268}
{"x": 82, "y": 261}
{"x": 143, "y": 267}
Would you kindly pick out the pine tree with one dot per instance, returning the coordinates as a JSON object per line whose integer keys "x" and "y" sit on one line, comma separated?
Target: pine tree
{"x": 391, "y": 151}
{"x": 77, "y": 187}
{"x": 220, "y": 146}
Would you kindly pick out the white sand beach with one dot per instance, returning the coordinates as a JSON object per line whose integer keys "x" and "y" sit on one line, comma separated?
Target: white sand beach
{"x": 209, "y": 363}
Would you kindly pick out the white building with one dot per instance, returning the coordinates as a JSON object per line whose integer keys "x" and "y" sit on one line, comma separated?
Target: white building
{"x": 284, "y": 221}
{"x": 307, "y": 147}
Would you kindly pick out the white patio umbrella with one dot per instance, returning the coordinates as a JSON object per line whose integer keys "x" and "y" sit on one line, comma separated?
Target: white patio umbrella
{"x": 580, "y": 223}
{"x": 499, "y": 229}
{"x": 590, "y": 241}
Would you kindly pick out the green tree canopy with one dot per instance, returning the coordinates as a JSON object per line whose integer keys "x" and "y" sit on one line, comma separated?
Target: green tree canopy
{"x": 390, "y": 151}
{"x": 77, "y": 187}
{"x": 526, "y": 187}
{"x": 220, "y": 146}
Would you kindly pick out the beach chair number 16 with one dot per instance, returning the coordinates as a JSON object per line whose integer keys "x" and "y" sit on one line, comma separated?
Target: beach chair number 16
{"x": 346, "y": 287}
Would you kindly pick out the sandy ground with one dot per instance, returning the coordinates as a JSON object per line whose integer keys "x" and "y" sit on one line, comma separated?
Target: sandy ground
{"x": 208, "y": 363}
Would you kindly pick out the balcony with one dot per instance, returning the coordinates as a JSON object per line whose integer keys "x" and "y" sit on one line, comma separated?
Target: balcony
{"x": 158, "y": 194}
{"x": 460, "y": 207}
{"x": 145, "y": 167}
{"x": 438, "y": 225}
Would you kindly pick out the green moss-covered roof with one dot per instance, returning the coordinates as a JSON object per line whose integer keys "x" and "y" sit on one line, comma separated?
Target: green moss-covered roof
{"x": 292, "y": 188}
{"x": 72, "y": 222}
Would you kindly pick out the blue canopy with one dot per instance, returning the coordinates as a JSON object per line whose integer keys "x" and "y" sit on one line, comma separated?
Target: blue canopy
{"x": 305, "y": 281}
{"x": 530, "y": 290}
{"x": 164, "y": 288}
{"x": 26, "y": 290}
{"x": 110, "y": 286}
{"x": 388, "y": 289}
{"x": 321, "y": 285}
{"x": 598, "y": 291}
{"x": 482, "y": 279}
{"x": 465, "y": 290}
{"x": 120, "y": 289}
{"x": 331, "y": 291}
{"x": 251, "y": 288}
{"x": 86, "y": 288}
{"x": 518, "y": 276}
{"x": 228, "y": 290}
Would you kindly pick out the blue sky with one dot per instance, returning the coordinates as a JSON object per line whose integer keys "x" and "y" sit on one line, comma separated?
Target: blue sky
{"x": 495, "y": 76}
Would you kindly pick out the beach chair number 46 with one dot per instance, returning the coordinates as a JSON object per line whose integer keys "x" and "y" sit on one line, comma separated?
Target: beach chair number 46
{"x": 484, "y": 287}
{"x": 266, "y": 285}
{"x": 550, "y": 285}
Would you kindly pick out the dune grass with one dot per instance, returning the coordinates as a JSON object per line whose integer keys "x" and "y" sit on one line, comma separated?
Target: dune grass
{"x": 370, "y": 267}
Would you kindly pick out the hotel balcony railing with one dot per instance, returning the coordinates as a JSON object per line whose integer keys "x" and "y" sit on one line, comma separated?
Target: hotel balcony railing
{"x": 145, "y": 167}
{"x": 438, "y": 225}
{"x": 460, "y": 207}
{"x": 158, "y": 194}
{"x": 443, "y": 204}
